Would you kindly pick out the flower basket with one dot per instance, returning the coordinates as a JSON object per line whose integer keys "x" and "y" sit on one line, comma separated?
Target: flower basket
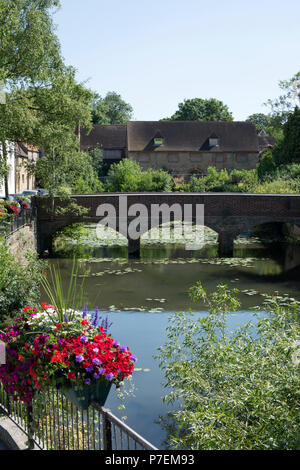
{"x": 76, "y": 355}
{"x": 82, "y": 397}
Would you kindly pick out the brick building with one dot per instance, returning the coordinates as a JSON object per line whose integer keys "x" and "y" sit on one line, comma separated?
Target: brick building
{"x": 182, "y": 147}
{"x": 24, "y": 153}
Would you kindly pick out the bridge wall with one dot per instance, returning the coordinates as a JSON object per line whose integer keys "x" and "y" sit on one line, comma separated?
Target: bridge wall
{"x": 229, "y": 214}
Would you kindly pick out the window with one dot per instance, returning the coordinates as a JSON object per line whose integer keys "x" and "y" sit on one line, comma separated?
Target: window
{"x": 219, "y": 158}
{"x": 112, "y": 154}
{"x": 213, "y": 142}
{"x": 173, "y": 158}
{"x": 158, "y": 141}
{"x": 144, "y": 158}
{"x": 196, "y": 158}
{"x": 242, "y": 158}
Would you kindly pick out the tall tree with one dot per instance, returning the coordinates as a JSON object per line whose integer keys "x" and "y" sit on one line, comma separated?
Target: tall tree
{"x": 29, "y": 49}
{"x": 44, "y": 102}
{"x": 285, "y": 104}
{"x": 261, "y": 121}
{"x": 29, "y": 54}
{"x": 199, "y": 109}
{"x": 111, "y": 109}
{"x": 288, "y": 149}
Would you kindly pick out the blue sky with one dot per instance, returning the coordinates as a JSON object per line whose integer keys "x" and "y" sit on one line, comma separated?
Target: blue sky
{"x": 157, "y": 53}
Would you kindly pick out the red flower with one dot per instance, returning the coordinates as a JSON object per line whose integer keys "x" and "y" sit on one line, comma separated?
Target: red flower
{"x": 71, "y": 376}
{"x": 20, "y": 358}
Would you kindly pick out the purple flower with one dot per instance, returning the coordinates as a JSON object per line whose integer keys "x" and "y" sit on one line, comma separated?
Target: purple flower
{"x": 89, "y": 369}
{"x": 96, "y": 376}
{"x": 96, "y": 362}
{"x": 133, "y": 358}
{"x": 116, "y": 343}
{"x": 84, "y": 312}
{"x": 84, "y": 339}
{"x": 87, "y": 381}
{"x": 109, "y": 377}
{"x": 123, "y": 348}
{"x": 79, "y": 358}
{"x": 102, "y": 371}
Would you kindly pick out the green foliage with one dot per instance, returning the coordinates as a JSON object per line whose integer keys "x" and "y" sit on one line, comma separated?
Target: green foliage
{"x": 287, "y": 149}
{"x": 215, "y": 181}
{"x": 64, "y": 299}
{"x": 261, "y": 121}
{"x": 291, "y": 140}
{"x": 285, "y": 104}
{"x": 101, "y": 168}
{"x": 19, "y": 285}
{"x": 127, "y": 176}
{"x": 266, "y": 165}
{"x": 238, "y": 390}
{"x": 111, "y": 109}
{"x": 44, "y": 101}
{"x": 197, "y": 184}
{"x": 124, "y": 176}
{"x": 29, "y": 48}
{"x": 199, "y": 109}
{"x": 70, "y": 169}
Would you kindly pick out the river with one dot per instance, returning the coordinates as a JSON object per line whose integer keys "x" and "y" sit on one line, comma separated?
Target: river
{"x": 139, "y": 296}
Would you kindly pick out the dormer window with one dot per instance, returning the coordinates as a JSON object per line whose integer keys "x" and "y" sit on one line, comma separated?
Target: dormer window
{"x": 158, "y": 141}
{"x": 213, "y": 141}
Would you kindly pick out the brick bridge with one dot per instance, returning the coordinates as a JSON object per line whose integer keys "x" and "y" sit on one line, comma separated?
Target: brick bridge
{"x": 228, "y": 214}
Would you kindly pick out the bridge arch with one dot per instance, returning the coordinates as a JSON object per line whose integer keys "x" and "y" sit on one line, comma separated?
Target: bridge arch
{"x": 228, "y": 214}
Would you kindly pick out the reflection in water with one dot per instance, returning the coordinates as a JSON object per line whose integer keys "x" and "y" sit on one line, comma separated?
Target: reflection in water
{"x": 139, "y": 296}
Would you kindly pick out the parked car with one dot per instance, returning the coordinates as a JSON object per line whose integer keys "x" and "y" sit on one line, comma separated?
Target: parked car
{"x": 30, "y": 192}
{"x": 43, "y": 192}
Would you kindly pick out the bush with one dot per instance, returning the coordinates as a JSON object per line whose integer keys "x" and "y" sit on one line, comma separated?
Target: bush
{"x": 216, "y": 180}
{"x": 197, "y": 184}
{"x": 278, "y": 186}
{"x": 246, "y": 180}
{"x": 19, "y": 284}
{"x": 239, "y": 390}
{"x": 267, "y": 166}
{"x": 127, "y": 176}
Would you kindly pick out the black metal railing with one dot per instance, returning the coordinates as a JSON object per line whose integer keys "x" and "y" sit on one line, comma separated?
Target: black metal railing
{"x": 52, "y": 422}
{"x": 16, "y": 222}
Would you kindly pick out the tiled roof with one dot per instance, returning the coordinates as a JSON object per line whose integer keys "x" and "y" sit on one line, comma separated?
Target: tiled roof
{"x": 106, "y": 137}
{"x": 192, "y": 136}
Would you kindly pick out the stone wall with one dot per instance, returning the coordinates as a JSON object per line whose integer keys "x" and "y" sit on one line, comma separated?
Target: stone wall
{"x": 186, "y": 163}
{"x": 21, "y": 241}
{"x": 227, "y": 214}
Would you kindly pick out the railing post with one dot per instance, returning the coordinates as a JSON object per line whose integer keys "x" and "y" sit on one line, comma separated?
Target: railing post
{"x": 8, "y": 404}
{"x": 30, "y": 427}
{"x": 107, "y": 436}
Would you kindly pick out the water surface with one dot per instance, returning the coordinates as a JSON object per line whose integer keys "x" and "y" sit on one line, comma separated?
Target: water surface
{"x": 140, "y": 295}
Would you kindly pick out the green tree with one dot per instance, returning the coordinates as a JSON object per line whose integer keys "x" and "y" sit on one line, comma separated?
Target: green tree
{"x": 199, "y": 109}
{"x": 29, "y": 54}
{"x": 261, "y": 121}
{"x": 285, "y": 104}
{"x": 233, "y": 390}
{"x": 291, "y": 140}
{"x": 127, "y": 176}
{"x": 111, "y": 109}
{"x": 124, "y": 176}
{"x": 44, "y": 102}
{"x": 29, "y": 49}
{"x": 287, "y": 149}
